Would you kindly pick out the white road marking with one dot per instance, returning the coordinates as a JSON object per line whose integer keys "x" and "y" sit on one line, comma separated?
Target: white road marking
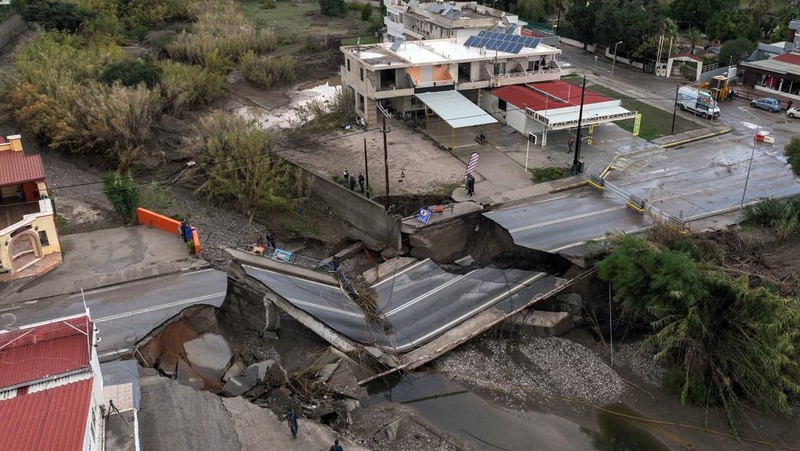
{"x": 326, "y": 308}
{"x": 292, "y": 277}
{"x": 560, "y": 220}
{"x": 199, "y": 271}
{"x": 399, "y": 273}
{"x": 426, "y": 294}
{"x": 160, "y": 307}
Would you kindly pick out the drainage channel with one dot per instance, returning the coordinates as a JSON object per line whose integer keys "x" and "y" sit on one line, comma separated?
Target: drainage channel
{"x": 453, "y": 408}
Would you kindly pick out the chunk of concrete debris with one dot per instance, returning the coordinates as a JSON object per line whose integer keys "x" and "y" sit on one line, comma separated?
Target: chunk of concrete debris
{"x": 188, "y": 377}
{"x": 326, "y": 372}
{"x": 332, "y": 355}
{"x": 465, "y": 261}
{"x": 387, "y": 268}
{"x": 373, "y": 351}
{"x": 236, "y": 369}
{"x": 344, "y": 383}
{"x": 391, "y": 430}
{"x": 539, "y": 322}
{"x": 239, "y": 385}
{"x": 209, "y": 356}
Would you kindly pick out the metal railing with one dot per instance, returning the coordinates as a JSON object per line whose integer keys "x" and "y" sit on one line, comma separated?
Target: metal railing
{"x": 638, "y": 204}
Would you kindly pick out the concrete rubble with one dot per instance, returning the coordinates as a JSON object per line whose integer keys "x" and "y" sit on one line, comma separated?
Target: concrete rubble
{"x": 539, "y": 322}
{"x": 209, "y": 355}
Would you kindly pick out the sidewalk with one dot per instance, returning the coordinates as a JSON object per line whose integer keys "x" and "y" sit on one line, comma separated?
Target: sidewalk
{"x": 106, "y": 257}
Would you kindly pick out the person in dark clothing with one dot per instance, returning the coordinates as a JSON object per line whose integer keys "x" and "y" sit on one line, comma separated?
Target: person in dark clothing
{"x": 361, "y": 181}
{"x": 352, "y": 183}
{"x": 470, "y": 185}
{"x": 570, "y": 143}
{"x": 271, "y": 240}
{"x": 789, "y": 105}
{"x": 336, "y": 446}
{"x": 187, "y": 233}
{"x": 291, "y": 420}
{"x": 182, "y": 230}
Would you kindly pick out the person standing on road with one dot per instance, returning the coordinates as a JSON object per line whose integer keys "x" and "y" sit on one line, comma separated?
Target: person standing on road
{"x": 570, "y": 143}
{"x": 291, "y": 420}
{"x": 470, "y": 185}
{"x": 346, "y": 175}
{"x": 361, "y": 181}
{"x": 336, "y": 446}
{"x": 182, "y": 230}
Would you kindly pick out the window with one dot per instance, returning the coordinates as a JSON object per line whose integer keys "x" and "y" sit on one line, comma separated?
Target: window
{"x": 348, "y": 64}
{"x": 362, "y": 73}
{"x": 43, "y": 238}
{"x": 501, "y": 104}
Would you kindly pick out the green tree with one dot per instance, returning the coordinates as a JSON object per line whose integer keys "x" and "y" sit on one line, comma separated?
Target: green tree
{"x": 366, "y": 12}
{"x": 333, "y": 8}
{"x": 121, "y": 192}
{"x": 735, "y": 50}
{"x": 131, "y": 73}
{"x": 621, "y": 20}
{"x": 581, "y": 16}
{"x": 725, "y": 341}
{"x": 691, "y": 13}
{"x": 55, "y": 15}
{"x": 792, "y": 152}
{"x": 731, "y": 24}
{"x": 532, "y": 9}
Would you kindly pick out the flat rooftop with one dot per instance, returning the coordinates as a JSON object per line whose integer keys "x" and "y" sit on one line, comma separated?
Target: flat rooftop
{"x": 436, "y": 51}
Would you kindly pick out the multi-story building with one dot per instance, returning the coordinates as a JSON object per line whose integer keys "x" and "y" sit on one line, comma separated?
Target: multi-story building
{"x": 395, "y": 73}
{"x": 413, "y": 20}
{"x": 51, "y": 393}
{"x": 28, "y": 240}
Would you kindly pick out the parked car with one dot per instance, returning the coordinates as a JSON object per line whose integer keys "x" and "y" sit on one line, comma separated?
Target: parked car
{"x": 766, "y": 103}
{"x": 793, "y": 112}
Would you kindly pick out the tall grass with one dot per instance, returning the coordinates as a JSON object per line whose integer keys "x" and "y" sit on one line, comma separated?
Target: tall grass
{"x": 184, "y": 85}
{"x": 219, "y": 26}
{"x": 266, "y": 72}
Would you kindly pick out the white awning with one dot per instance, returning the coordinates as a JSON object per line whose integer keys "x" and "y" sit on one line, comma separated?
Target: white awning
{"x": 593, "y": 113}
{"x": 455, "y": 109}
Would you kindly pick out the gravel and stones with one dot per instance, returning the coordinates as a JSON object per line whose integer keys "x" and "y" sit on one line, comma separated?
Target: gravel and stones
{"x": 640, "y": 362}
{"x": 544, "y": 367}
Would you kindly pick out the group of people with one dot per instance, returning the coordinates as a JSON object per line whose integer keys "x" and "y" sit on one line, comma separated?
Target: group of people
{"x": 291, "y": 420}
{"x": 350, "y": 180}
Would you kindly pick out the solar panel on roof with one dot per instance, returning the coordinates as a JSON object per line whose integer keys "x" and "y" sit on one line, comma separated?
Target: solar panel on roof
{"x": 396, "y": 44}
{"x": 516, "y": 49}
{"x": 470, "y": 42}
{"x": 447, "y": 9}
{"x": 413, "y": 2}
{"x": 454, "y": 14}
{"x": 535, "y": 43}
{"x": 482, "y": 33}
{"x": 435, "y": 8}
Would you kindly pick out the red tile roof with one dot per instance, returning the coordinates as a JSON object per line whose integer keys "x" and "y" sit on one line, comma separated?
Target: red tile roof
{"x": 791, "y": 58}
{"x": 30, "y": 354}
{"x": 17, "y": 168}
{"x": 51, "y": 419}
{"x": 549, "y": 95}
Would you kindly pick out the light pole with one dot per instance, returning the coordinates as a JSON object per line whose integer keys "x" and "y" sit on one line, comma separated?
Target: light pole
{"x": 752, "y": 154}
{"x": 613, "y": 63}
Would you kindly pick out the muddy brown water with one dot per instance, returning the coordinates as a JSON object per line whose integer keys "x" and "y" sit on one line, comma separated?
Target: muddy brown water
{"x": 453, "y": 408}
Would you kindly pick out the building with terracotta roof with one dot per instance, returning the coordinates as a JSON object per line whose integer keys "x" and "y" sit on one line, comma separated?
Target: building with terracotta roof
{"x": 777, "y": 75}
{"x": 537, "y": 108}
{"x": 51, "y": 387}
{"x": 29, "y": 243}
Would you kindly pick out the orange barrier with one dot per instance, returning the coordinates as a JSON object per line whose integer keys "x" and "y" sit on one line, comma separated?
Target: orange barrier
{"x": 169, "y": 225}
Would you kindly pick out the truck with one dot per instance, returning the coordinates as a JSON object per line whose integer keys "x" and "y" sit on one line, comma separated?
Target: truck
{"x": 697, "y": 101}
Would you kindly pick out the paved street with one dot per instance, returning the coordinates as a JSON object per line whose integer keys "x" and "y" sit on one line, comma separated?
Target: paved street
{"x": 126, "y": 313}
{"x": 689, "y": 181}
{"x": 418, "y": 303}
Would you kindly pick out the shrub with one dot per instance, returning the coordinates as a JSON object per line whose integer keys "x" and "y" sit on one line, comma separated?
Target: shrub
{"x": 548, "y": 174}
{"x": 241, "y": 168}
{"x": 55, "y": 15}
{"x": 366, "y": 12}
{"x": 184, "y": 86}
{"x": 121, "y": 192}
{"x": 152, "y": 12}
{"x": 332, "y": 8}
{"x": 220, "y": 26}
{"x": 155, "y": 197}
{"x": 131, "y": 73}
{"x": 792, "y": 152}
{"x": 267, "y": 72}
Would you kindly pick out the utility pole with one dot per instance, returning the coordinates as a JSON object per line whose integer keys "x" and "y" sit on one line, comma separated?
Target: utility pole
{"x": 366, "y": 167}
{"x": 674, "y": 110}
{"x": 576, "y": 164}
{"x": 385, "y": 161}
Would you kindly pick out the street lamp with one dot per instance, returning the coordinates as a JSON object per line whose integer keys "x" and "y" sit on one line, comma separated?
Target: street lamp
{"x": 752, "y": 154}
{"x": 613, "y": 63}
